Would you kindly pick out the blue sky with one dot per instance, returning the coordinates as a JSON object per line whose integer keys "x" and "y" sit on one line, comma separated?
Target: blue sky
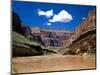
{"x": 51, "y": 15}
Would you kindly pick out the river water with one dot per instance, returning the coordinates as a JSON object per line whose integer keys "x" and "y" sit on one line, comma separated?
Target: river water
{"x": 52, "y": 63}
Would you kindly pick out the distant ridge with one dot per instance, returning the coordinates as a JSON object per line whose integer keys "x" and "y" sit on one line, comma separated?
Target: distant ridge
{"x": 51, "y": 29}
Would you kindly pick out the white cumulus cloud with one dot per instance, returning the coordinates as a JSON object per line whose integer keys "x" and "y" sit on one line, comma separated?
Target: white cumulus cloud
{"x": 62, "y": 16}
{"x": 48, "y": 13}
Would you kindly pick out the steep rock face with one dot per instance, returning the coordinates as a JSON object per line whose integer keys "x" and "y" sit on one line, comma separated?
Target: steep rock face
{"x": 22, "y": 46}
{"x": 89, "y": 23}
{"x": 51, "y": 37}
{"x": 18, "y": 27}
{"x": 16, "y": 23}
{"x": 84, "y": 37}
{"x": 85, "y": 44}
{"x": 22, "y": 43}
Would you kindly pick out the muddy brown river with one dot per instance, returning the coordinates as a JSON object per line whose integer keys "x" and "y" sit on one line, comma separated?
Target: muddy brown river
{"x": 52, "y": 63}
